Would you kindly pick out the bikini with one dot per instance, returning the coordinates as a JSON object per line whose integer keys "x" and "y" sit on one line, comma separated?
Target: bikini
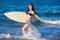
{"x": 28, "y": 22}
{"x": 30, "y": 14}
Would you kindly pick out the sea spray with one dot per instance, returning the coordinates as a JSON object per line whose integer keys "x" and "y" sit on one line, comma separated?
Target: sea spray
{"x": 36, "y": 35}
{"x": 5, "y": 35}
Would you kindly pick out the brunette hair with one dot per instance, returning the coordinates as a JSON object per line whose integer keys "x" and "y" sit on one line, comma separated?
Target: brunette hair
{"x": 32, "y": 9}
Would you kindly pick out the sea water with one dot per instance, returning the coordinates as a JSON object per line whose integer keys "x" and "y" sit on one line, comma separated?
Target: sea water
{"x": 48, "y": 10}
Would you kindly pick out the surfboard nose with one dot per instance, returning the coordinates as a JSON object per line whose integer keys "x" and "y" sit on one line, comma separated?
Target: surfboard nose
{"x": 6, "y": 14}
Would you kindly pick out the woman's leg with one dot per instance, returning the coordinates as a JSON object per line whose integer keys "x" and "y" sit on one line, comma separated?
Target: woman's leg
{"x": 23, "y": 29}
{"x": 30, "y": 28}
{"x": 33, "y": 31}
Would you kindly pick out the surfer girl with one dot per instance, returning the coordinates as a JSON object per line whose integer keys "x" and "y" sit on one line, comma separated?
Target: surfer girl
{"x": 30, "y": 12}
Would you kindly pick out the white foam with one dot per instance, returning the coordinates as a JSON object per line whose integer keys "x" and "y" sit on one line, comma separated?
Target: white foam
{"x": 56, "y": 22}
{"x": 5, "y": 35}
{"x": 8, "y": 36}
{"x": 37, "y": 36}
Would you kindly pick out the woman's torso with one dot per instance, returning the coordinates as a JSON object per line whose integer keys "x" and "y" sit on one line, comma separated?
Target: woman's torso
{"x": 29, "y": 15}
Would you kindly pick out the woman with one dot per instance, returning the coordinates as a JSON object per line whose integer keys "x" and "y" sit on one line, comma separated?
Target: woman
{"x": 30, "y": 12}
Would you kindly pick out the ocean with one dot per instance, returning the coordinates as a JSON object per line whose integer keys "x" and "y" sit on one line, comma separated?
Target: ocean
{"x": 48, "y": 10}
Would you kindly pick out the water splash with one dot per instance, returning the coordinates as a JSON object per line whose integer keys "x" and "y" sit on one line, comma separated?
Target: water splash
{"x": 56, "y": 22}
{"x": 36, "y": 35}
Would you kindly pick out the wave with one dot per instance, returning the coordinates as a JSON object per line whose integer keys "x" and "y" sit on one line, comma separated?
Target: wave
{"x": 12, "y": 37}
{"x": 56, "y": 22}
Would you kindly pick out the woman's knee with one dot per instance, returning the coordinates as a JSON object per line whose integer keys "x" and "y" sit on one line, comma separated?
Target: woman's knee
{"x": 24, "y": 27}
{"x": 30, "y": 29}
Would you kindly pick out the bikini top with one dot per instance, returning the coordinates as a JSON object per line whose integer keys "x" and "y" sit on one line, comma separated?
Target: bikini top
{"x": 30, "y": 14}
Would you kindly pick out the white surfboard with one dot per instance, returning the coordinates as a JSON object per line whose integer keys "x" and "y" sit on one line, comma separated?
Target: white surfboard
{"x": 21, "y": 17}
{"x": 16, "y": 16}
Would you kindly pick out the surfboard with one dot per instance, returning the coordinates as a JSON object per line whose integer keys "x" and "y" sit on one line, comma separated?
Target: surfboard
{"x": 16, "y": 16}
{"x": 21, "y": 17}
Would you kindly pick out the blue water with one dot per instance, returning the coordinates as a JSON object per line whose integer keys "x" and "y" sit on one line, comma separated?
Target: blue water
{"x": 46, "y": 10}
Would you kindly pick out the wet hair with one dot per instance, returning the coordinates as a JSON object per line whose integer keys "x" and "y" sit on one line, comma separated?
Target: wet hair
{"x": 32, "y": 9}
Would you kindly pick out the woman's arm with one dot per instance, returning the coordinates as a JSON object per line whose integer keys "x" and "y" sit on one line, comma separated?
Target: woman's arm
{"x": 38, "y": 17}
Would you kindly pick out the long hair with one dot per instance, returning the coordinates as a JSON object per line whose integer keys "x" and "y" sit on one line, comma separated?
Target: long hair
{"x": 32, "y": 9}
